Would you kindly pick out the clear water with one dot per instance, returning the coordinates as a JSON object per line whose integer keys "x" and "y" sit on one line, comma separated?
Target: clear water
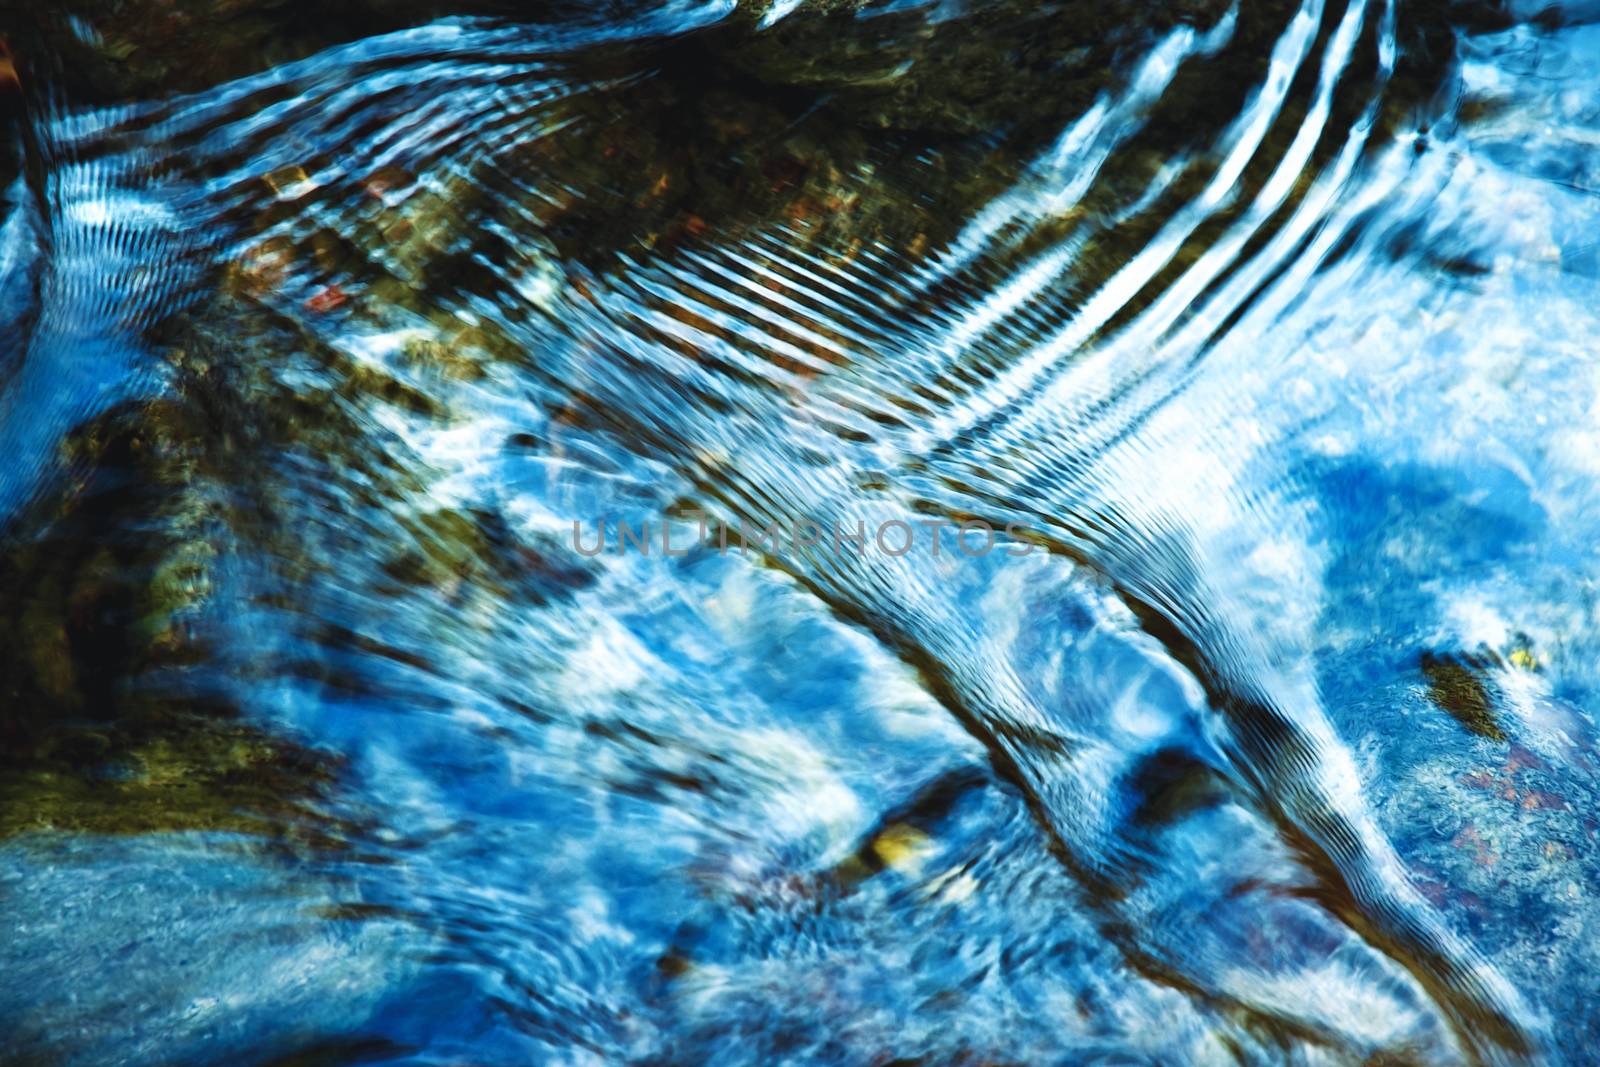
{"x": 1261, "y": 338}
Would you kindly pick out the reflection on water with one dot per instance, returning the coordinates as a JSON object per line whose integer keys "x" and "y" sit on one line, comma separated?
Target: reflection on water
{"x": 1266, "y": 329}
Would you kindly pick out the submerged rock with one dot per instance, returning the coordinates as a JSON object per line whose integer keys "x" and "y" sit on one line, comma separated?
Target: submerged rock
{"x": 113, "y": 712}
{"x": 952, "y": 67}
{"x": 1459, "y": 686}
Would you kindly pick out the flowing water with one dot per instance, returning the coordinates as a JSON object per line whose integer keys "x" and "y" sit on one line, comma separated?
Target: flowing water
{"x": 850, "y": 531}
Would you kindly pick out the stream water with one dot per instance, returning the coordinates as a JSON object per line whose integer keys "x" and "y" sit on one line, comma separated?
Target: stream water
{"x": 817, "y": 531}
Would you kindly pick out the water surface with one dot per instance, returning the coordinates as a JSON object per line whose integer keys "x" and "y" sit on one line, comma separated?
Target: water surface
{"x": 1262, "y": 334}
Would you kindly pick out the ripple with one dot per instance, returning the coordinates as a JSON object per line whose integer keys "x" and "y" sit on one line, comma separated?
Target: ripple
{"x": 321, "y": 367}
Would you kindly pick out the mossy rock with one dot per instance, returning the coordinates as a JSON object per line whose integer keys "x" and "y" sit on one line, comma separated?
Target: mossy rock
{"x": 167, "y": 772}
{"x": 100, "y": 730}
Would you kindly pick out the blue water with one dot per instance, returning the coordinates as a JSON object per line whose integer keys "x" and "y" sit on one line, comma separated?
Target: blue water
{"x": 1251, "y": 719}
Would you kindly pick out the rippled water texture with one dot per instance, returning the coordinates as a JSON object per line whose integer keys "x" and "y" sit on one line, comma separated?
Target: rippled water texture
{"x": 334, "y": 335}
